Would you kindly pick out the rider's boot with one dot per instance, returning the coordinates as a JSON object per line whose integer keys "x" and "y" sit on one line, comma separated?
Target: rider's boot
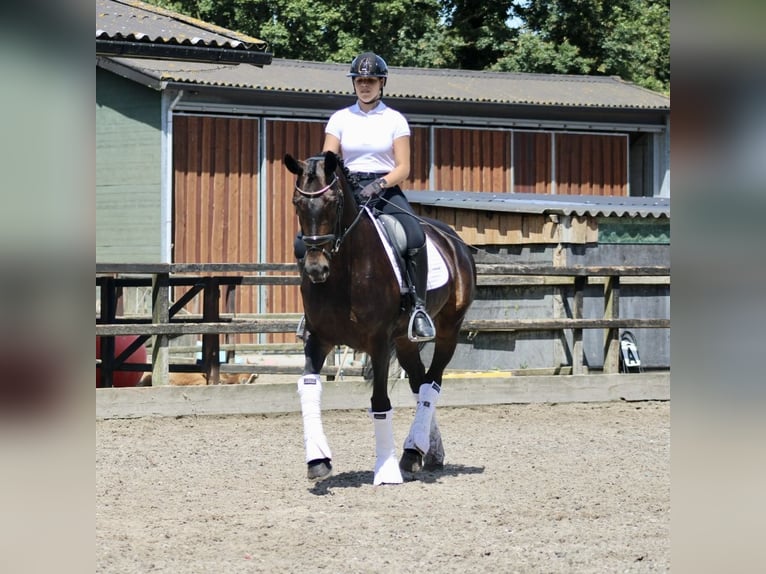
{"x": 421, "y": 327}
{"x": 301, "y": 332}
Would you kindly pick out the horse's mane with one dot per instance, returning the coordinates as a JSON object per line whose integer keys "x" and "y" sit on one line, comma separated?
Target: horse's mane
{"x": 343, "y": 167}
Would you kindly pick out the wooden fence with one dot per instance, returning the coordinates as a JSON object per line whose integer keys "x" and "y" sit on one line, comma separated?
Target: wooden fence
{"x": 207, "y": 279}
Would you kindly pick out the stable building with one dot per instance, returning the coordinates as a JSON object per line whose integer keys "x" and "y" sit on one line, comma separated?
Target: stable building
{"x": 526, "y": 167}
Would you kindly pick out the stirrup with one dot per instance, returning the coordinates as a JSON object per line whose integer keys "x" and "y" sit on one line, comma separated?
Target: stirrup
{"x": 300, "y": 332}
{"x": 411, "y": 334}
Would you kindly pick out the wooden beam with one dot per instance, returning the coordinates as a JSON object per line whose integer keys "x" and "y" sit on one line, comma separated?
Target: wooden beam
{"x": 211, "y": 341}
{"x": 589, "y": 271}
{"x": 578, "y": 356}
{"x": 611, "y": 334}
{"x": 563, "y": 323}
{"x": 266, "y": 325}
{"x": 160, "y": 316}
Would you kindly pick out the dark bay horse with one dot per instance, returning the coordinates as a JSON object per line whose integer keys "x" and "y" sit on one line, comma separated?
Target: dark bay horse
{"x": 351, "y": 296}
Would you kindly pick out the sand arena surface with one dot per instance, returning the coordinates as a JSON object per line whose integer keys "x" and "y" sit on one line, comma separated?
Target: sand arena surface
{"x": 525, "y": 488}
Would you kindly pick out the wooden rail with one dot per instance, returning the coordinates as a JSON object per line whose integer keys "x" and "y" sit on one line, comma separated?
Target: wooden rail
{"x": 207, "y": 279}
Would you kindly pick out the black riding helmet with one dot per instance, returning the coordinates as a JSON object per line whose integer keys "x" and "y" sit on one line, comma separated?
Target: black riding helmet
{"x": 368, "y": 64}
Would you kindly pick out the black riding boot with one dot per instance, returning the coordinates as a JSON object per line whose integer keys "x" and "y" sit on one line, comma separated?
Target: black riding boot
{"x": 421, "y": 327}
{"x": 301, "y": 332}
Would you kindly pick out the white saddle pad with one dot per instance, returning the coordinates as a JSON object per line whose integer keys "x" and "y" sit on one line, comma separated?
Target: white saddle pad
{"x": 438, "y": 274}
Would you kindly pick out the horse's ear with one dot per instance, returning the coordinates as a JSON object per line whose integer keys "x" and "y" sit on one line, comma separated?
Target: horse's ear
{"x": 293, "y": 164}
{"x": 330, "y": 163}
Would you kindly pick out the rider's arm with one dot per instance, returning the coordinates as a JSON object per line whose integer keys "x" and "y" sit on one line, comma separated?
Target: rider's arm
{"x": 331, "y": 143}
{"x": 401, "y": 169}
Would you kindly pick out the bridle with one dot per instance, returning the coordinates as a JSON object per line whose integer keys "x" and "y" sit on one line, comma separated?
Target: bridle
{"x": 317, "y": 242}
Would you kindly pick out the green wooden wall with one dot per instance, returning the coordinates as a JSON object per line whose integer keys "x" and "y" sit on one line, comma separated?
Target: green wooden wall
{"x": 128, "y": 170}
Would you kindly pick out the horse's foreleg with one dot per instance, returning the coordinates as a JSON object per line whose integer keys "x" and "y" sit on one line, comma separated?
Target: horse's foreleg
{"x": 318, "y": 454}
{"x": 386, "y": 466}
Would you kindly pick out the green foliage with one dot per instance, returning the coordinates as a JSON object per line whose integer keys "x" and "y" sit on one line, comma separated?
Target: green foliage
{"x": 627, "y": 38}
{"x": 405, "y": 33}
{"x": 481, "y": 27}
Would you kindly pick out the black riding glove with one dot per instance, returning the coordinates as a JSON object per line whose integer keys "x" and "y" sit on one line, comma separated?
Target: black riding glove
{"x": 372, "y": 189}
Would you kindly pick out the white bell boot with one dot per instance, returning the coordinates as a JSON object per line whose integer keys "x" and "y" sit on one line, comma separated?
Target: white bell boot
{"x": 386, "y": 465}
{"x": 420, "y": 431}
{"x": 314, "y": 439}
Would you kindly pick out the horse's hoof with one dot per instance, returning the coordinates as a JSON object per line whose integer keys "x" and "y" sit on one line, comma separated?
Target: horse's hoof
{"x": 319, "y": 469}
{"x": 411, "y": 461}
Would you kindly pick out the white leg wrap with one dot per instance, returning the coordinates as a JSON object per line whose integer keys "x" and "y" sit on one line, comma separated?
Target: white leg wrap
{"x": 420, "y": 431}
{"x": 386, "y": 466}
{"x": 435, "y": 455}
{"x": 314, "y": 439}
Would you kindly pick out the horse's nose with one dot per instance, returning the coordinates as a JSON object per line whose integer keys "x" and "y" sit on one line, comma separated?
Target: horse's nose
{"x": 317, "y": 271}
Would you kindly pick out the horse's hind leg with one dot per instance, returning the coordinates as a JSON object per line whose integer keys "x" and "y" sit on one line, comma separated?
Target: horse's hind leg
{"x": 423, "y": 447}
{"x": 318, "y": 454}
{"x": 418, "y": 443}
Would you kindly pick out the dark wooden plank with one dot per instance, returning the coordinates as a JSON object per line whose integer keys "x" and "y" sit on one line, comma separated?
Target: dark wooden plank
{"x": 211, "y": 341}
{"x": 287, "y": 326}
{"x": 152, "y": 268}
{"x": 553, "y": 324}
{"x": 133, "y": 268}
{"x": 108, "y": 312}
{"x": 482, "y": 269}
{"x": 257, "y": 326}
{"x": 590, "y": 271}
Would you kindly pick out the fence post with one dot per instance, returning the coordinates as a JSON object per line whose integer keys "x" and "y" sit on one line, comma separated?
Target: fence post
{"x": 611, "y": 311}
{"x": 108, "y": 314}
{"x": 211, "y": 345}
{"x": 578, "y": 358}
{"x": 230, "y": 299}
{"x": 160, "y": 315}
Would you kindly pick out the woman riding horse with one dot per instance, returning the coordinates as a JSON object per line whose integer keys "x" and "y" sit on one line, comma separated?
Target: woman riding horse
{"x": 374, "y": 141}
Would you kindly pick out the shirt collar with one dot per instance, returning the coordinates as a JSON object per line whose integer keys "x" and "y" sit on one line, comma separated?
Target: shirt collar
{"x": 379, "y": 109}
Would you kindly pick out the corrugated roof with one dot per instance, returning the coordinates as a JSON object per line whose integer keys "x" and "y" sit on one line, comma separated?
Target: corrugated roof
{"x": 429, "y": 84}
{"x": 138, "y": 21}
{"x": 594, "y": 205}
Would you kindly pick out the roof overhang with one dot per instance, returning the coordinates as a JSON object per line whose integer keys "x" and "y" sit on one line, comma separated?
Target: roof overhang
{"x": 181, "y": 52}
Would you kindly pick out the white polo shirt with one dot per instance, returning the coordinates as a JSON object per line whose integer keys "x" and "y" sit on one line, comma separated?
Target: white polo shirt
{"x": 367, "y": 139}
